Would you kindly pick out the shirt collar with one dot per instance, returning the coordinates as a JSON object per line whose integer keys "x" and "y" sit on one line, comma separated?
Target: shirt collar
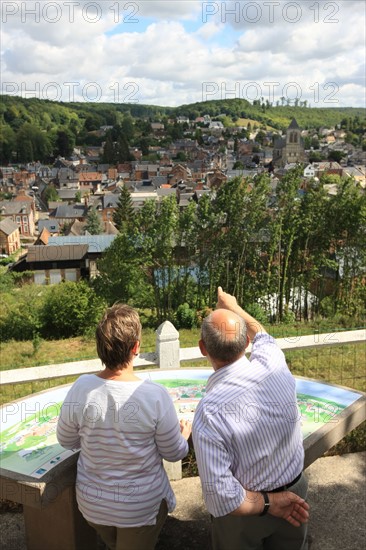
{"x": 224, "y": 372}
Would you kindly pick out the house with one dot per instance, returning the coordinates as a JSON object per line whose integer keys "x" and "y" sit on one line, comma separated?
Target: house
{"x": 157, "y": 127}
{"x": 24, "y": 178}
{"x": 93, "y": 153}
{"x": 6, "y": 175}
{"x": 22, "y": 213}
{"x": 69, "y": 195}
{"x": 215, "y": 179}
{"x": 309, "y": 171}
{"x": 67, "y": 177}
{"x": 327, "y": 168}
{"x": 68, "y": 213}
{"x": 289, "y": 149}
{"x": 166, "y": 192}
{"x": 9, "y": 237}
{"x": 139, "y": 198}
{"x": 358, "y": 173}
{"x": 216, "y": 125}
{"x": 52, "y": 226}
{"x": 90, "y": 180}
{"x": 53, "y": 264}
{"x": 96, "y": 246}
{"x": 43, "y": 237}
{"x": 106, "y": 206}
{"x": 178, "y": 173}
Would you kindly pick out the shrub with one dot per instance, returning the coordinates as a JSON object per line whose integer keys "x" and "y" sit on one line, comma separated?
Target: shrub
{"x": 185, "y": 317}
{"x": 256, "y": 311}
{"x": 20, "y": 310}
{"x": 71, "y": 309}
{"x": 19, "y": 324}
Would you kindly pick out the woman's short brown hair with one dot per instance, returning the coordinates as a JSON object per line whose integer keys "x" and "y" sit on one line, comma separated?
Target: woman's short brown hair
{"x": 116, "y": 335}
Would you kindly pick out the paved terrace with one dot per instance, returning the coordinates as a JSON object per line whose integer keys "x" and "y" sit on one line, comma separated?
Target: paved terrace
{"x": 337, "y": 490}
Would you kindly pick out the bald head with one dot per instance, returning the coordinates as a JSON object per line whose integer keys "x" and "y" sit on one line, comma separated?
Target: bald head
{"x": 224, "y": 336}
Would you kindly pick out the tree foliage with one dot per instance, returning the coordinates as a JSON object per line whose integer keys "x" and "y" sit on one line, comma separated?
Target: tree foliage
{"x": 123, "y": 216}
{"x": 298, "y": 249}
{"x": 55, "y": 127}
{"x": 93, "y": 223}
{"x": 71, "y": 309}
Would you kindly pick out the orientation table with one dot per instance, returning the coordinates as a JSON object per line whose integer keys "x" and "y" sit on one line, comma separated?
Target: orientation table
{"x": 38, "y": 473}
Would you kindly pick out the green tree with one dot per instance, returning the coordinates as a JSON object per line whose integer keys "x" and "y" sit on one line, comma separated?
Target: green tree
{"x": 123, "y": 216}
{"x": 20, "y": 316}
{"x": 336, "y": 156}
{"x": 123, "y": 273}
{"x": 160, "y": 253}
{"x": 122, "y": 150}
{"x": 347, "y": 222}
{"x": 93, "y": 223}
{"x": 71, "y": 309}
{"x": 109, "y": 151}
{"x": 127, "y": 128}
{"x": 50, "y": 194}
{"x": 144, "y": 146}
{"x": 7, "y": 143}
{"x": 32, "y": 144}
{"x": 64, "y": 144}
{"x": 288, "y": 212}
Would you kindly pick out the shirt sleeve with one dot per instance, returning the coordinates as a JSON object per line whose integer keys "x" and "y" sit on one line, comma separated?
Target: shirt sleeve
{"x": 266, "y": 351}
{"x": 67, "y": 431}
{"x": 172, "y": 446}
{"x": 222, "y": 492}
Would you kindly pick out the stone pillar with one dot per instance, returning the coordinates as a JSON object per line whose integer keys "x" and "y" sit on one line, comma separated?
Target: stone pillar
{"x": 173, "y": 470}
{"x": 167, "y": 346}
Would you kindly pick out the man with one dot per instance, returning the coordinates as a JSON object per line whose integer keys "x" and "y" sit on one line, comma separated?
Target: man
{"x": 247, "y": 437}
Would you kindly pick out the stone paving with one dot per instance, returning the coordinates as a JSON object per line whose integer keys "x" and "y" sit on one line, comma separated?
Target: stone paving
{"x": 337, "y": 495}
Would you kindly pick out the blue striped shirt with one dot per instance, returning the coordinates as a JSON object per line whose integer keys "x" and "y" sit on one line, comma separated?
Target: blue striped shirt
{"x": 123, "y": 429}
{"x": 247, "y": 429}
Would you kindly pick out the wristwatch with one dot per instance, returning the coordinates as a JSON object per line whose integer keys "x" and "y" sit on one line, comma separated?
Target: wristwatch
{"x": 266, "y": 504}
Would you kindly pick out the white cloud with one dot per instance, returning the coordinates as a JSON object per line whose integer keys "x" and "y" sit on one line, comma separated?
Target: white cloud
{"x": 209, "y": 30}
{"x": 172, "y": 60}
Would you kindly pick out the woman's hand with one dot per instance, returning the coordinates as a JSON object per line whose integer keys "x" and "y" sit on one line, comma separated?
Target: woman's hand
{"x": 185, "y": 428}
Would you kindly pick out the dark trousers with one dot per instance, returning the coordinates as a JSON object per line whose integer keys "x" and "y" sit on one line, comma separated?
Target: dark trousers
{"x": 260, "y": 533}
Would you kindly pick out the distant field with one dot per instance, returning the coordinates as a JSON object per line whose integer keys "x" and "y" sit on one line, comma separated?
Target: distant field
{"x": 252, "y": 122}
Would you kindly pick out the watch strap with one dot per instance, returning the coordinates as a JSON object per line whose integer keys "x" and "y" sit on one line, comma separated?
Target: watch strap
{"x": 266, "y": 504}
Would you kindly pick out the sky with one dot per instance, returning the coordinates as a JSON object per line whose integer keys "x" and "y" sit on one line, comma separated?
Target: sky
{"x": 174, "y": 52}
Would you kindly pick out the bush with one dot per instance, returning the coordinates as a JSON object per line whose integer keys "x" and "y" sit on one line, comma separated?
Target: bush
{"x": 327, "y": 308}
{"x": 185, "y": 317}
{"x": 71, "y": 309}
{"x": 289, "y": 317}
{"x": 256, "y": 311}
{"x": 19, "y": 324}
{"x": 20, "y": 310}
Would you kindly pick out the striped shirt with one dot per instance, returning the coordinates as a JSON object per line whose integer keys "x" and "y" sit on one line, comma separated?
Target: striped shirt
{"x": 123, "y": 429}
{"x": 247, "y": 429}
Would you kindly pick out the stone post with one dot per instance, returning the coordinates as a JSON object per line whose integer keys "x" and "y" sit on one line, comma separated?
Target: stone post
{"x": 167, "y": 346}
{"x": 167, "y": 349}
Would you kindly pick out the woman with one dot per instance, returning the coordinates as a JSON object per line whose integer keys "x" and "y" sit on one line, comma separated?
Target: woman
{"x": 124, "y": 426}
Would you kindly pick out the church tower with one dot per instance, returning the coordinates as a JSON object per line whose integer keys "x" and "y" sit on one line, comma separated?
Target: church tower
{"x": 291, "y": 148}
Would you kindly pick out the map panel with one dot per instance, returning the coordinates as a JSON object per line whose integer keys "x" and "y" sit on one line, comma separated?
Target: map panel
{"x": 28, "y": 442}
